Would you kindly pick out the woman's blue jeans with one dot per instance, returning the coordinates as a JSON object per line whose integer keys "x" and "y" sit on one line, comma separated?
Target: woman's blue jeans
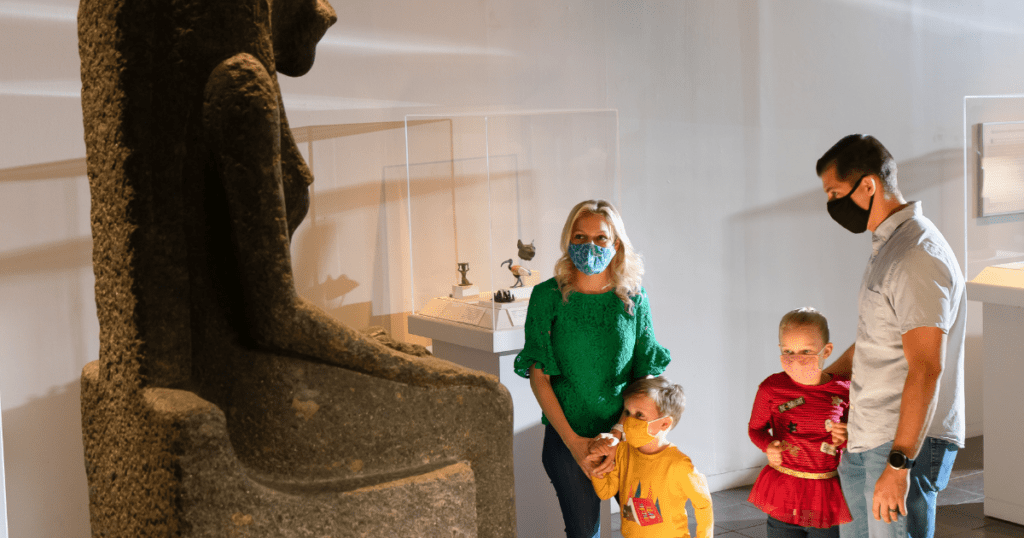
{"x": 581, "y": 507}
{"x": 929, "y": 475}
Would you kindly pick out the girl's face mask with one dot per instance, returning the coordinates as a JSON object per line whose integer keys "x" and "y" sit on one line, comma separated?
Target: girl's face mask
{"x": 803, "y": 368}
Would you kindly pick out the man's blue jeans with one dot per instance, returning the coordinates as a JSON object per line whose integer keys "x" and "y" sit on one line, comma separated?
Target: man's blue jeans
{"x": 929, "y": 475}
{"x": 581, "y": 507}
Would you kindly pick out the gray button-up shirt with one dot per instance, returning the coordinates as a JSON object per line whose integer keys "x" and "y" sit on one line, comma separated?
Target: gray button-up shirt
{"x": 912, "y": 280}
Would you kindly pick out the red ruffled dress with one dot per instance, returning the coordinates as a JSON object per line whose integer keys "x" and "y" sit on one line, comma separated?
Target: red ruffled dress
{"x": 787, "y": 411}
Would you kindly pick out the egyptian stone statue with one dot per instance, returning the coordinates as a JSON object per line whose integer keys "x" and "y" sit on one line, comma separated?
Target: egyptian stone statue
{"x": 222, "y": 403}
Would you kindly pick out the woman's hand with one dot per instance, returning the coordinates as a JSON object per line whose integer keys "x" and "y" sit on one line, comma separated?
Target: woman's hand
{"x": 602, "y": 454}
{"x": 580, "y": 449}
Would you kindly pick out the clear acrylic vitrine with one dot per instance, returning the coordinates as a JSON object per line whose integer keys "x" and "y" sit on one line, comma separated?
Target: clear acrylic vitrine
{"x": 478, "y": 185}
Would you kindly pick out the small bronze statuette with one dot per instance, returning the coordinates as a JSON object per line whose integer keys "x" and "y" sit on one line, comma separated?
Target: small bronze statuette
{"x": 503, "y": 296}
{"x": 526, "y": 252}
{"x": 463, "y": 269}
{"x": 518, "y": 271}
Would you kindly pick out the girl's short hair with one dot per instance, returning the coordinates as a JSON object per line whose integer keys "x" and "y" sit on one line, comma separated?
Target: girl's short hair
{"x": 803, "y": 317}
{"x": 626, "y": 266}
{"x": 668, "y": 397}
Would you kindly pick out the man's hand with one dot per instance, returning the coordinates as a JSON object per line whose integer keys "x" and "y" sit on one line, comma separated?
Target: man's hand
{"x": 890, "y": 498}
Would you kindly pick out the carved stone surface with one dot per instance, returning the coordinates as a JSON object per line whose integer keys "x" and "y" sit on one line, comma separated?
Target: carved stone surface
{"x": 223, "y": 404}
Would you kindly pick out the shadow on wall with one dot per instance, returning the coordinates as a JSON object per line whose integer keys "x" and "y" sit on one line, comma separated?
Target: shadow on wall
{"x": 937, "y": 180}
{"x": 57, "y": 256}
{"x": 69, "y": 168}
{"x": 54, "y": 257}
{"x": 43, "y": 449}
{"x": 49, "y": 289}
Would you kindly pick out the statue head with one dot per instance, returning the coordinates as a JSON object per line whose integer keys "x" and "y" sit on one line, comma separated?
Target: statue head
{"x": 297, "y": 26}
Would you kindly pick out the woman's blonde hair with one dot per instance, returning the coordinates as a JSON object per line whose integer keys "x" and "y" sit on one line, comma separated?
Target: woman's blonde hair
{"x": 626, "y": 267}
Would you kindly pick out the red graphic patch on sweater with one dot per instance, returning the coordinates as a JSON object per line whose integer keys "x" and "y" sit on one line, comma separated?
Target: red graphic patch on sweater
{"x": 643, "y": 510}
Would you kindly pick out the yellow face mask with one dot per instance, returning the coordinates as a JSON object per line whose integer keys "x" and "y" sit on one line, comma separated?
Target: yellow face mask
{"x": 637, "y": 431}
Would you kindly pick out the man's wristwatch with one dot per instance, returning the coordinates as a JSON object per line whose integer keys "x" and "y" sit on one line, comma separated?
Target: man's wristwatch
{"x": 898, "y": 460}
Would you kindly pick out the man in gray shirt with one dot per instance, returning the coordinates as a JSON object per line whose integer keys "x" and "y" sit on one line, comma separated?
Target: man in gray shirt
{"x": 907, "y": 392}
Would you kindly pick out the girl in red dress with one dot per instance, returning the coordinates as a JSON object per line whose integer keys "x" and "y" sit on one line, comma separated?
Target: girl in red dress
{"x": 798, "y": 422}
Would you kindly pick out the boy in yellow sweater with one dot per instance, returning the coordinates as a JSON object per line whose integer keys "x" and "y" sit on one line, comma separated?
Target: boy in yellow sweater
{"x": 651, "y": 477}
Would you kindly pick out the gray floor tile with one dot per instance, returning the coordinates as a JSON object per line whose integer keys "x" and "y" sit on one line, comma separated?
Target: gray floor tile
{"x": 1006, "y": 530}
{"x": 972, "y": 509}
{"x": 971, "y": 456}
{"x": 974, "y": 482}
{"x": 739, "y": 516}
{"x": 1003, "y": 528}
{"x": 730, "y": 497}
{"x": 740, "y": 524}
{"x": 957, "y": 521}
{"x": 960, "y": 473}
{"x": 758, "y": 531}
{"x": 955, "y": 496}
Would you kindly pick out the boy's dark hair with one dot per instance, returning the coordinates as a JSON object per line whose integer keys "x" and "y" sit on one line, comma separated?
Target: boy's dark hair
{"x": 668, "y": 397}
{"x": 858, "y": 155}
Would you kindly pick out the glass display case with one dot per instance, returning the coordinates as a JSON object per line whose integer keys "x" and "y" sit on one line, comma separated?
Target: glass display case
{"x": 488, "y": 196}
{"x": 994, "y": 180}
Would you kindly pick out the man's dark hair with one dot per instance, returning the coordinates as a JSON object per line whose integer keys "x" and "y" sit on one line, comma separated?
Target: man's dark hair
{"x": 858, "y": 155}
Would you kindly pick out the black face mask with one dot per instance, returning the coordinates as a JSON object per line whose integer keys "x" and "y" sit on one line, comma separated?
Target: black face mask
{"x": 848, "y": 214}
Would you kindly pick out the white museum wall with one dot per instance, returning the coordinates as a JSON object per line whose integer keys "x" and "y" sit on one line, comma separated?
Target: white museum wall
{"x": 724, "y": 107}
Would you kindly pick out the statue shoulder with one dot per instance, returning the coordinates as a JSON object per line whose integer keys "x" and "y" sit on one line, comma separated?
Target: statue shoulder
{"x": 241, "y": 99}
{"x": 240, "y": 78}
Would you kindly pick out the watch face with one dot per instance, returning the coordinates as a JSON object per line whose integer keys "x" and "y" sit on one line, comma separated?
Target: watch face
{"x": 897, "y": 459}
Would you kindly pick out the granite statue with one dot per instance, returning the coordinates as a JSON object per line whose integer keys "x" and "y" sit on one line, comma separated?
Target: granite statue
{"x": 222, "y": 402}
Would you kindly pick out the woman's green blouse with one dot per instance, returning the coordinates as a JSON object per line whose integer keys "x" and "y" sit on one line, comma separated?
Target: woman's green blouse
{"x": 592, "y": 348}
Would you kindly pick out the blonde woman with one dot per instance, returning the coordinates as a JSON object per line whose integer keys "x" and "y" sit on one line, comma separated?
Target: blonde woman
{"x": 588, "y": 335}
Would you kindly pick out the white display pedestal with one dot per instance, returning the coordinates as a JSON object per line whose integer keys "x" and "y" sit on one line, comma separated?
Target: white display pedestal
{"x": 1001, "y": 289}
{"x": 474, "y": 347}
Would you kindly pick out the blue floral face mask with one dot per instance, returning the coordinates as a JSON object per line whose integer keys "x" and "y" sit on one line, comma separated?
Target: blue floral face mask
{"x": 589, "y": 258}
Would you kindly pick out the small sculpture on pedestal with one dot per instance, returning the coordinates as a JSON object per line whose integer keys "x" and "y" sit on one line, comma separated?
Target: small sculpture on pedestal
{"x": 463, "y": 269}
{"x": 526, "y": 252}
{"x": 503, "y": 296}
{"x": 518, "y": 271}
{"x": 464, "y": 288}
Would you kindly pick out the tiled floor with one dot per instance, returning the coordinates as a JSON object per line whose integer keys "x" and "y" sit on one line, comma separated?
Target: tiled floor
{"x": 960, "y": 513}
